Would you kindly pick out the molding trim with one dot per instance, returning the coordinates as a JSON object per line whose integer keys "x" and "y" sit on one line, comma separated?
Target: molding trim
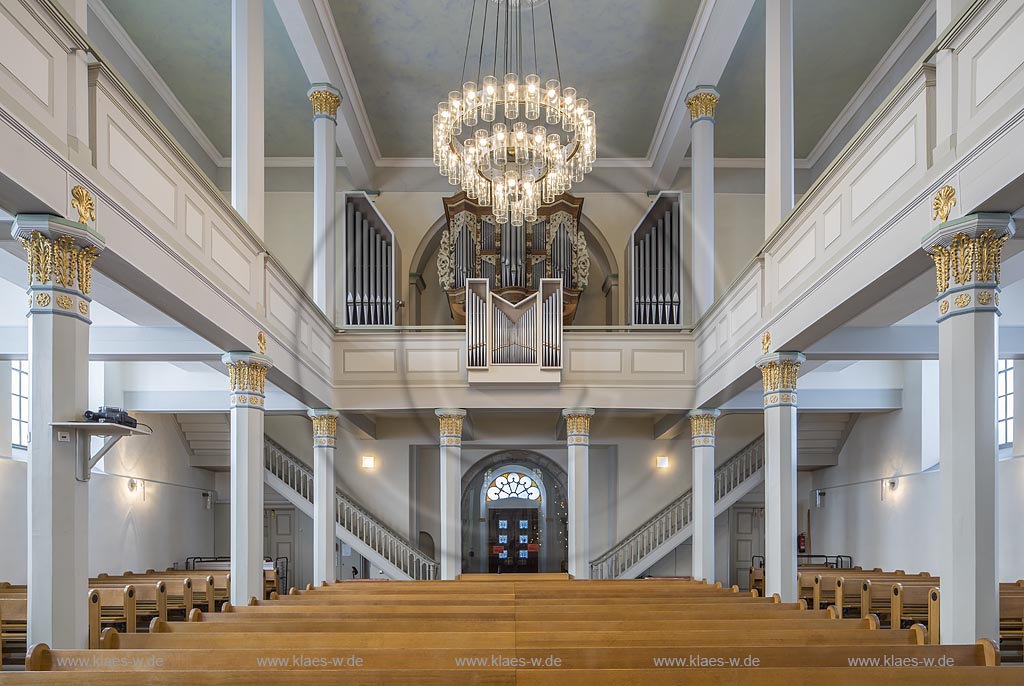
{"x": 159, "y": 85}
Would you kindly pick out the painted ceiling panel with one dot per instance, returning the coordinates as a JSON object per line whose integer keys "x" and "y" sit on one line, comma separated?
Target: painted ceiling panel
{"x": 621, "y": 55}
{"x": 836, "y": 44}
{"x": 188, "y": 42}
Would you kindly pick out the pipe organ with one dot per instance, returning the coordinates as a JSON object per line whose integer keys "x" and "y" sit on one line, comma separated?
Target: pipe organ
{"x": 655, "y": 256}
{"x": 519, "y": 341}
{"x": 513, "y": 260}
{"x": 369, "y": 256}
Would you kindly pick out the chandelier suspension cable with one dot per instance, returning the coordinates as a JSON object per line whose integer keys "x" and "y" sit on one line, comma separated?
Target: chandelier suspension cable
{"x": 469, "y": 37}
{"x": 483, "y": 32}
{"x": 533, "y": 32}
{"x": 554, "y": 40}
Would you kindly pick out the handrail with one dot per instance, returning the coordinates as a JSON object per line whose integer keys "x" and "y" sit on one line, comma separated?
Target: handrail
{"x": 677, "y": 515}
{"x": 351, "y": 515}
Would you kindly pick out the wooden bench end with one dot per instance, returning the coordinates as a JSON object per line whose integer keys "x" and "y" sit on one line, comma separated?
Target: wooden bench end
{"x": 109, "y": 639}
{"x": 196, "y": 615}
{"x": 38, "y": 657}
{"x": 991, "y": 651}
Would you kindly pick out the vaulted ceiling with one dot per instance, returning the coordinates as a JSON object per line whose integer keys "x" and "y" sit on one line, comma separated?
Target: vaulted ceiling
{"x": 405, "y": 56}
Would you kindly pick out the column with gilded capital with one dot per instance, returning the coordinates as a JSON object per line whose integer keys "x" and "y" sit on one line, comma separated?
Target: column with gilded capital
{"x": 702, "y": 443}
{"x": 450, "y": 420}
{"x": 577, "y": 436}
{"x": 779, "y": 371}
{"x": 247, "y": 373}
{"x": 967, "y": 254}
{"x": 325, "y": 100}
{"x": 60, "y": 256}
{"x": 325, "y": 441}
{"x": 701, "y": 103}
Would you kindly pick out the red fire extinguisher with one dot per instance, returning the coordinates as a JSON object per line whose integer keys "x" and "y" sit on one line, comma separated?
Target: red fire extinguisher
{"x": 801, "y": 543}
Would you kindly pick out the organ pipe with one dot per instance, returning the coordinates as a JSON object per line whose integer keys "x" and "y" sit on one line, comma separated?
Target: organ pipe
{"x": 369, "y": 262}
{"x": 656, "y": 265}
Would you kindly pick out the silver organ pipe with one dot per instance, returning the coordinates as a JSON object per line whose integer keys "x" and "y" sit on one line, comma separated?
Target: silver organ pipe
{"x": 656, "y": 264}
{"x": 500, "y": 333}
{"x": 370, "y": 259}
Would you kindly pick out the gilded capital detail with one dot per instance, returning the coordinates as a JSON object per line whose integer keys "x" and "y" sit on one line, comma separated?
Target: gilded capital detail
{"x": 247, "y": 376}
{"x": 325, "y": 428}
{"x": 577, "y": 425}
{"x": 779, "y": 373}
{"x": 450, "y": 425}
{"x": 944, "y": 201}
{"x": 83, "y": 203}
{"x": 325, "y": 103}
{"x": 702, "y": 428}
{"x": 967, "y": 253}
{"x": 60, "y": 261}
{"x": 702, "y": 104}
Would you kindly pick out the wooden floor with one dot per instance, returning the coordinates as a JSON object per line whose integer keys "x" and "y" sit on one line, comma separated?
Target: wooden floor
{"x": 551, "y": 631}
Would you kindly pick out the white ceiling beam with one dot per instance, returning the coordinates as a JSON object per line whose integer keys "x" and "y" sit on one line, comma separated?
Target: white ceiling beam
{"x": 825, "y": 400}
{"x": 124, "y": 344}
{"x": 362, "y": 426}
{"x": 712, "y": 39}
{"x": 899, "y": 343}
{"x": 310, "y": 25}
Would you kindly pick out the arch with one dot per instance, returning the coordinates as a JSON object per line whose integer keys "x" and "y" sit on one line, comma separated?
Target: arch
{"x": 599, "y": 247}
{"x": 552, "y": 506}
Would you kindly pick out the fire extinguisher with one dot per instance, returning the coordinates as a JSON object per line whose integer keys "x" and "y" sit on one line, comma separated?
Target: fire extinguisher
{"x": 801, "y": 543}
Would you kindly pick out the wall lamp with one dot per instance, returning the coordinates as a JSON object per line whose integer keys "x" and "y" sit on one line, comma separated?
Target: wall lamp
{"x": 368, "y": 461}
{"x": 662, "y": 461}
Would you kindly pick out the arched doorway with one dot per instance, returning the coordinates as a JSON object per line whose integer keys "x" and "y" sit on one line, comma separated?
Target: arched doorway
{"x": 515, "y": 516}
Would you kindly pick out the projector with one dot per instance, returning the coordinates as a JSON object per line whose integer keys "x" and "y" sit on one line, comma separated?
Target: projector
{"x": 111, "y": 415}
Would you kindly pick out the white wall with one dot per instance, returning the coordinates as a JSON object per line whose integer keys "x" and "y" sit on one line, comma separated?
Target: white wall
{"x": 158, "y": 525}
{"x": 902, "y": 531}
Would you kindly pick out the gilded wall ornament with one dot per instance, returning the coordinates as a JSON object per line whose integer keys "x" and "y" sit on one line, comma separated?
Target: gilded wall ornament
{"x": 83, "y": 307}
{"x": 962, "y": 300}
{"x": 43, "y": 299}
{"x": 64, "y": 302}
{"x": 944, "y": 307}
{"x": 985, "y": 298}
{"x": 766, "y": 342}
{"x": 944, "y": 201}
{"x": 83, "y": 203}
{"x": 702, "y": 105}
{"x": 261, "y": 342}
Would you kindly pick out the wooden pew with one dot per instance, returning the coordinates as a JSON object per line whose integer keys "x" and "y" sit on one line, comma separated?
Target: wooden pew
{"x": 1011, "y": 623}
{"x": 13, "y": 629}
{"x": 108, "y": 606}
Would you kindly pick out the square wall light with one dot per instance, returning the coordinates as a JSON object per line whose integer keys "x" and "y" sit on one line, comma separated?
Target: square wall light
{"x": 368, "y": 461}
{"x": 662, "y": 461}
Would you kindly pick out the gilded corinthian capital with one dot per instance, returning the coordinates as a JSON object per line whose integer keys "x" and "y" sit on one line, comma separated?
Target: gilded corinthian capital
{"x": 779, "y": 373}
{"x": 247, "y": 376}
{"x": 325, "y": 100}
{"x": 702, "y": 102}
{"x": 59, "y": 252}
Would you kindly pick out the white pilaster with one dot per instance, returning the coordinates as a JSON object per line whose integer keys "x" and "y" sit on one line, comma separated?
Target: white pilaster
{"x": 7, "y": 409}
{"x": 325, "y": 100}
{"x": 577, "y": 436}
{"x": 325, "y": 441}
{"x": 78, "y": 87}
{"x": 778, "y": 113}
{"x": 702, "y": 445}
{"x": 779, "y": 371}
{"x": 247, "y": 373}
{"x": 967, "y": 253}
{"x": 60, "y": 256}
{"x": 701, "y": 102}
{"x": 450, "y": 420}
{"x": 247, "y": 111}
{"x": 946, "y": 12}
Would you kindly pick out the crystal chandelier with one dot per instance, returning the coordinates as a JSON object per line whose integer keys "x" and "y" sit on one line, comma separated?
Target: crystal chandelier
{"x": 516, "y": 142}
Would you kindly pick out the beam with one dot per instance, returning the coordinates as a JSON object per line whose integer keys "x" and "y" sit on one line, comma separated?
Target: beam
{"x": 900, "y": 343}
{"x": 124, "y": 343}
{"x": 311, "y": 27}
{"x": 670, "y": 426}
{"x": 713, "y": 37}
{"x": 821, "y": 400}
{"x": 362, "y": 426}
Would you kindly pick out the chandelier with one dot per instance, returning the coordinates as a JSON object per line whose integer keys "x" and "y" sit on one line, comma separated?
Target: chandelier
{"x": 516, "y": 142}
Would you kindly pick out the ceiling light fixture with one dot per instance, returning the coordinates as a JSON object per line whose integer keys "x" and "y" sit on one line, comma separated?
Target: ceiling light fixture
{"x": 516, "y": 142}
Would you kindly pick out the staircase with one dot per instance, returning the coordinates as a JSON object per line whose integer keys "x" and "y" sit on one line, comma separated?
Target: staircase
{"x": 356, "y": 527}
{"x": 665, "y": 531}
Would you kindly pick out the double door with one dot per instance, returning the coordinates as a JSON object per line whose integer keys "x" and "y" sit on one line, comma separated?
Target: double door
{"x": 513, "y": 541}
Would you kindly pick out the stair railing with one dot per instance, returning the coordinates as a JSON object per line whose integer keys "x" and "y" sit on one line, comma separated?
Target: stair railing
{"x": 351, "y": 515}
{"x": 677, "y": 515}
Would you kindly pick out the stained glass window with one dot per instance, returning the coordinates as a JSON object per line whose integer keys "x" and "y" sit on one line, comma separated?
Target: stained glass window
{"x": 513, "y": 485}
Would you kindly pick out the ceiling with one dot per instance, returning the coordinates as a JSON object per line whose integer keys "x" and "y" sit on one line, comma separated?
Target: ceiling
{"x": 406, "y": 56}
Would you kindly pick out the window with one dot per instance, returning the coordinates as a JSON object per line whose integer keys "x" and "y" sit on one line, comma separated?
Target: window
{"x": 19, "y": 403}
{"x": 1004, "y": 402}
{"x": 512, "y": 485}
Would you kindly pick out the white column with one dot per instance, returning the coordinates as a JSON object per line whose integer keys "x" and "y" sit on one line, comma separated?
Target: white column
{"x": 451, "y": 491}
{"x": 778, "y": 113}
{"x": 60, "y": 257}
{"x": 701, "y": 102}
{"x": 946, "y": 12}
{"x": 702, "y": 445}
{"x": 325, "y": 100}
{"x": 325, "y": 441}
{"x": 247, "y": 373}
{"x": 967, "y": 253}
{"x": 577, "y": 436}
{"x": 247, "y": 111}
{"x": 779, "y": 371}
{"x": 78, "y": 87}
